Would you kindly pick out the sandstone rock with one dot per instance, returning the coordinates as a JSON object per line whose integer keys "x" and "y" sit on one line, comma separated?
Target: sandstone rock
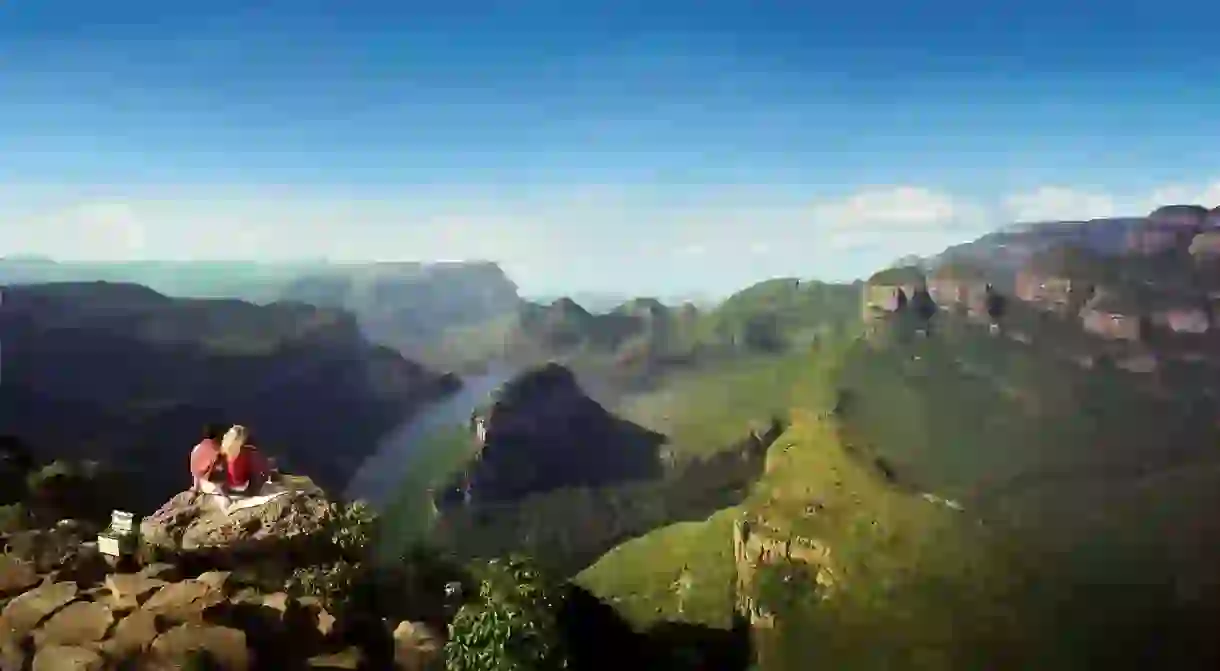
{"x": 226, "y": 646}
{"x": 77, "y": 624}
{"x": 189, "y": 523}
{"x": 346, "y": 660}
{"x": 161, "y": 571}
{"x": 183, "y": 601}
{"x": 218, "y": 580}
{"x": 16, "y": 576}
{"x": 67, "y": 658}
{"x": 247, "y": 595}
{"x": 129, "y": 590}
{"x": 12, "y": 655}
{"x": 27, "y": 611}
{"x": 416, "y": 647}
{"x": 132, "y": 635}
{"x": 87, "y": 566}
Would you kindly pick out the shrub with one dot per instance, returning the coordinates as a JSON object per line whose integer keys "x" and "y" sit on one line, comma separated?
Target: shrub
{"x": 351, "y": 529}
{"x": 510, "y": 625}
{"x": 332, "y": 583}
{"x": 13, "y": 517}
{"x": 342, "y": 568}
{"x": 781, "y": 586}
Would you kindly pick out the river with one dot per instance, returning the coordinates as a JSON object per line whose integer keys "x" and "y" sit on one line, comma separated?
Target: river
{"x": 379, "y": 477}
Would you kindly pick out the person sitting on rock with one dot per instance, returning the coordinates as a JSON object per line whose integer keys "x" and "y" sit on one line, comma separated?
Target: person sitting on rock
{"x": 246, "y": 468}
{"x": 207, "y": 462}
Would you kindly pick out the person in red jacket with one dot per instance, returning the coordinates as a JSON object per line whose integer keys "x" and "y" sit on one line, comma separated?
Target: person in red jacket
{"x": 246, "y": 468}
{"x": 207, "y": 463}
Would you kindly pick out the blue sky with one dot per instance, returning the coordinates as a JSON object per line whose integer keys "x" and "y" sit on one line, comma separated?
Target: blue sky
{"x": 644, "y": 147}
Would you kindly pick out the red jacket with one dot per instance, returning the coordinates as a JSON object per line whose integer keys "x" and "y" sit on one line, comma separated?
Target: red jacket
{"x": 205, "y": 460}
{"x": 248, "y": 468}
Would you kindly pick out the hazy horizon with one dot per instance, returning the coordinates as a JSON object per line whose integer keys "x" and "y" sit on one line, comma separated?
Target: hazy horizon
{"x": 630, "y": 148}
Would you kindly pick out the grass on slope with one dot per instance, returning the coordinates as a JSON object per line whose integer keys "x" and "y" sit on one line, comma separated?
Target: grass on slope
{"x": 679, "y": 573}
{"x": 702, "y": 411}
{"x": 409, "y": 519}
{"x": 644, "y": 576}
{"x": 917, "y": 584}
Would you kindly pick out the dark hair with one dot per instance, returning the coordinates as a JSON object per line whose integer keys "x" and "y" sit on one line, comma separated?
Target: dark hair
{"x": 212, "y": 432}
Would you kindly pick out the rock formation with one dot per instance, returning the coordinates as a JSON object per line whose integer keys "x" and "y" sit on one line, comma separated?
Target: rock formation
{"x": 542, "y": 432}
{"x": 196, "y": 525}
{"x": 63, "y": 606}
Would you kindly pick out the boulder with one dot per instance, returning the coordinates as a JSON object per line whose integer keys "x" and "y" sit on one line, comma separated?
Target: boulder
{"x": 132, "y": 636}
{"x": 27, "y": 611}
{"x": 225, "y": 646}
{"x": 218, "y": 580}
{"x": 78, "y": 624}
{"x": 129, "y": 590}
{"x": 191, "y": 523}
{"x": 185, "y": 601}
{"x": 162, "y": 571}
{"x": 416, "y": 647}
{"x": 12, "y": 653}
{"x": 350, "y": 659}
{"x": 49, "y": 549}
{"x": 16, "y": 576}
{"x": 67, "y": 658}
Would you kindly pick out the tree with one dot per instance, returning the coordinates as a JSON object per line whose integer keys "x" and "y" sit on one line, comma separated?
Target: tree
{"x": 510, "y": 625}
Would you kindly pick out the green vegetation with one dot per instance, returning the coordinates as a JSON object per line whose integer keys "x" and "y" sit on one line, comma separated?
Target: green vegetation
{"x": 679, "y": 573}
{"x": 512, "y": 624}
{"x": 350, "y": 532}
{"x": 409, "y": 520}
{"x": 702, "y": 410}
{"x": 784, "y": 313}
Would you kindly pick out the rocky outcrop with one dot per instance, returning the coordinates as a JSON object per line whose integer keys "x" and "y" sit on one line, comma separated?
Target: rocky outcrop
{"x": 541, "y": 432}
{"x": 756, "y": 543}
{"x": 161, "y": 617}
{"x": 197, "y": 525}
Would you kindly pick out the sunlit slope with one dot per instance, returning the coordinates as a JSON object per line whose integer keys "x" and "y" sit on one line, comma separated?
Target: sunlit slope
{"x": 1019, "y": 432}
{"x": 885, "y": 576}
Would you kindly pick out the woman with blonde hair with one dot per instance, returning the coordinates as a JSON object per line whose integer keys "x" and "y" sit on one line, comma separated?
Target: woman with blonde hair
{"x": 246, "y": 468}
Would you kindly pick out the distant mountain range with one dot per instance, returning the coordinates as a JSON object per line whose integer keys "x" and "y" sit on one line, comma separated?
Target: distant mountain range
{"x": 128, "y": 376}
{"x": 408, "y": 306}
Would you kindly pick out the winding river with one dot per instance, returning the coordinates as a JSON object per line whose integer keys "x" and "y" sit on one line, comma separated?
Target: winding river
{"x": 380, "y": 475}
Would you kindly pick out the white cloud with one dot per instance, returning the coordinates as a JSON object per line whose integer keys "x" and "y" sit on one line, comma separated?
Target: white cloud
{"x": 899, "y": 207}
{"x": 1183, "y": 194}
{"x": 543, "y": 236}
{"x": 1050, "y": 203}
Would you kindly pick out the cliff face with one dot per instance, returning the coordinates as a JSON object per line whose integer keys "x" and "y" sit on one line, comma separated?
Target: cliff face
{"x": 122, "y": 374}
{"x": 542, "y": 432}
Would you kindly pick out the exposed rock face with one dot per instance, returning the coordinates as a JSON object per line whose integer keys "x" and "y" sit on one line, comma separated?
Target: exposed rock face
{"x": 195, "y": 524}
{"x": 164, "y": 622}
{"x": 542, "y": 432}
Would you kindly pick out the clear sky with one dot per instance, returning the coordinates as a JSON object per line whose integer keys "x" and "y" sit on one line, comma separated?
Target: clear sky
{"x": 644, "y": 147}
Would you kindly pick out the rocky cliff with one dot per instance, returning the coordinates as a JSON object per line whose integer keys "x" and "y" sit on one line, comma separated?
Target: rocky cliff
{"x": 64, "y": 605}
{"x": 541, "y": 432}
